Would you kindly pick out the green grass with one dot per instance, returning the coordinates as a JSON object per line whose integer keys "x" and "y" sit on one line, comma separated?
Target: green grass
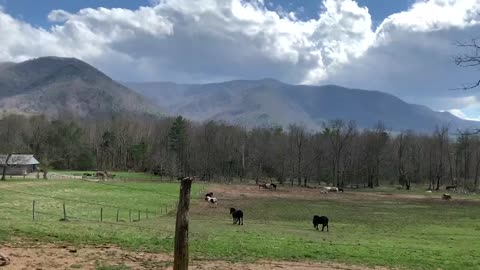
{"x": 118, "y": 175}
{"x": 394, "y": 233}
{"x": 84, "y": 203}
{"x": 411, "y": 235}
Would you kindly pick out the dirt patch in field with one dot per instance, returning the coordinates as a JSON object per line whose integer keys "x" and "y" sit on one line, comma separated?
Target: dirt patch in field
{"x": 238, "y": 192}
{"x": 50, "y": 256}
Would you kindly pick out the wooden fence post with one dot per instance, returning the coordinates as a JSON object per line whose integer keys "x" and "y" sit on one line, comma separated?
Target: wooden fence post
{"x": 138, "y": 215}
{"x": 118, "y": 210}
{"x": 146, "y": 213}
{"x": 101, "y": 214}
{"x": 130, "y": 215}
{"x": 181, "y": 227}
{"x": 33, "y": 210}
{"x": 64, "y": 213}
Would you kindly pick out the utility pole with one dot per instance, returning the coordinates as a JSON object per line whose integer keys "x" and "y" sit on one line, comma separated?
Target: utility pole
{"x": 181, "y": 227}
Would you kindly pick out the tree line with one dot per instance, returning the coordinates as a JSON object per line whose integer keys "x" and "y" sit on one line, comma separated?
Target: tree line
{"x": 340, "y": 154}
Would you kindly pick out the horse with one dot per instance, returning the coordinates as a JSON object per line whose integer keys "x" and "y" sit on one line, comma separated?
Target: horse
{"x": 452, "y": 187}
{"x": 102, "y": 174}
{"x": 237, "y": 216}
{"x": 267, "y": 186}
{"x": 212, "y": 200}
{"x": 332, "y": 189}
{"x": 317, "y": 220}
{"x": 210, "y": 194}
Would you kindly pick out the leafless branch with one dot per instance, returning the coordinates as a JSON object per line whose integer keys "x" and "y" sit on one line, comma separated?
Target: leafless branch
{"x": 467, "y": 87}
{"x": 469, "y": 60}
{"x": 468, "y": 132}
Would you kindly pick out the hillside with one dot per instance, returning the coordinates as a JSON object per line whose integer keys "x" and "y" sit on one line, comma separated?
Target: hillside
{"x": 253, "y": 103}
{"x": 67, "y": 86}
{"x": 64, "y": 86}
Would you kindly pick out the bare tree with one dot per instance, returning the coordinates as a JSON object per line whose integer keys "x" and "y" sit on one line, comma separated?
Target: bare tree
{"x": 401, "y": 143}
{"x": 339, "y": 154}
{"x": 464, "y": 153}
{"x": 476, "y": 147}
{"x": 338, "y": 134}
{"x": 441, "y": 146}
{"x": 298, "y": 137}
{"x": 12, "y": 129}
{"x": 374, "y": 144}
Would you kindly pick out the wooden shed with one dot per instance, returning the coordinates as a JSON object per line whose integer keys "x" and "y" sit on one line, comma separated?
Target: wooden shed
{"x": 19, "y": 164}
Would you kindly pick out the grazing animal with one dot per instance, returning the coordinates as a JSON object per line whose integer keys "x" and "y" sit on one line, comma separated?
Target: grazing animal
{"x": 237, "y": 216}
{"x": 446, "y": 197}
{"x": 340, "y": 189}
{"x": 331, "y": 189}
{"x": 210, "y": 194}
{"x": 453, "y": 188}
{"x": 212, "y": 200}
{"x": 267, "y": 186}
{"x": 102, "y": 174}
{"x": 317, "y": 220}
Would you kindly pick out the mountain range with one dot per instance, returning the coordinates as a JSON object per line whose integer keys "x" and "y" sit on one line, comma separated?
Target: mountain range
{"x": 67, "y": 86}
{"x": 267, "y": 101}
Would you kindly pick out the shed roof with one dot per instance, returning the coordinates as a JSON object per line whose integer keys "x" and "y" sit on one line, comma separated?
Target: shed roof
{"x": 19, "y": 160}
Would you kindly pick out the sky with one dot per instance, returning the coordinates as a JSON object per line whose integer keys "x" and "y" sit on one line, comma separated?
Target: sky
{"x": 402, "y": 47}
{"x": 36, "y": 12}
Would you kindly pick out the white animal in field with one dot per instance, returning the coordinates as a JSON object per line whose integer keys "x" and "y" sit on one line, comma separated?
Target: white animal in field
{"x": 212, "y": 200}
{"x": 331, "y": 189}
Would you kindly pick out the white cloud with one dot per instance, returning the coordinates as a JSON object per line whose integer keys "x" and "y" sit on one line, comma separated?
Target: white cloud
{"x": 460, "y": 114}
{"x": 435, "y": 15}
{"x": 469, "y": 107}
{"x": 462, "y": 102}
{"x": 181, "y": 39}
{"x": 412, "y": 54}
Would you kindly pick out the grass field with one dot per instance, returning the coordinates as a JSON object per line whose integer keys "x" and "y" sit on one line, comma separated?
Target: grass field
{"x": 118, "y": 175}
{"x": 373, "y": 229}
{"x": 84, "y": 203}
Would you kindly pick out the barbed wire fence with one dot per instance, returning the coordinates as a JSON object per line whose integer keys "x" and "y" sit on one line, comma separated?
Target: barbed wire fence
{"x": 63, "y": 209}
